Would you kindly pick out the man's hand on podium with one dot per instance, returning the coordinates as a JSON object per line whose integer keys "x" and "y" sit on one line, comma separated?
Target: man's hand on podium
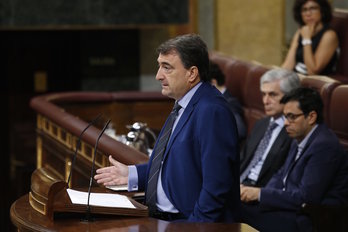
{"x": 116, "y": 174}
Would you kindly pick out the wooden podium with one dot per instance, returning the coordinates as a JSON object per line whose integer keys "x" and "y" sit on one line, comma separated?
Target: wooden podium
{"x": 25, "y": 218}
{"x": 48, "y": 195}
{"x": 48, "y": 208}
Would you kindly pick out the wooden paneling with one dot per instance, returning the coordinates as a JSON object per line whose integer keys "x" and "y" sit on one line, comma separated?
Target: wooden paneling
{"x": 62, "y": 117}
{"x": 251, "y": 29}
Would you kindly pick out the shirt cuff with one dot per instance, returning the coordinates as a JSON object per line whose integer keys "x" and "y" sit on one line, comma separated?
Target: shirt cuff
{"x": 132, "y": 178}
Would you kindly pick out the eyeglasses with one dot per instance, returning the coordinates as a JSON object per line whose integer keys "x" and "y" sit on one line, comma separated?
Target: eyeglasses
{"x": 292, "y": 117}
{"x": 310, "y": 9}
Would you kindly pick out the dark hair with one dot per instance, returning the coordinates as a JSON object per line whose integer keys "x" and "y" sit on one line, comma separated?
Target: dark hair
{"x": 309, "y": 100}
{"x": 192, "y": 51}
{"x": 216, "y": 73}
{"x": 325, "y": 10}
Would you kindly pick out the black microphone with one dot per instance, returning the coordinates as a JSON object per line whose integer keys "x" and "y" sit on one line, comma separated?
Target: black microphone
{"x": 88, "y": 212}
{"x": 79, "y": 143}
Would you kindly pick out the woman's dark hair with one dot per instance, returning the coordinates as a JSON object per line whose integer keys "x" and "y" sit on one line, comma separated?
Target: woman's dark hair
{"x": 325, "y": 10}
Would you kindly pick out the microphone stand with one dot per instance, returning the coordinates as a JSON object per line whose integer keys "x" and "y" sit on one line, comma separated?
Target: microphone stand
{"x": 88, "y": 210}
{"x": 78, "y": 145}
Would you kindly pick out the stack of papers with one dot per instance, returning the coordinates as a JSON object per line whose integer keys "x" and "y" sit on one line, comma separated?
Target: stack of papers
{"x": 100, "y": 199}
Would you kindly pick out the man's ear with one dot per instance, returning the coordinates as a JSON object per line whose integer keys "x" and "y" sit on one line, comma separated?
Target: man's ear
{"x": 193, "y": 74}
{"x": 312, "y": 116}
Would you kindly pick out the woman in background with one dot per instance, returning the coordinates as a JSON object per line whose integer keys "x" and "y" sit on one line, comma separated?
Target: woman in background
{"x": 314, "y": 47}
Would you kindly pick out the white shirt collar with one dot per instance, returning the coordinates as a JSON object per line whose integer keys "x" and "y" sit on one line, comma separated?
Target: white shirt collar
{"x": 303, "y": 143}
{"x": 184, "y": 101}
{"x": 280, "y": 120}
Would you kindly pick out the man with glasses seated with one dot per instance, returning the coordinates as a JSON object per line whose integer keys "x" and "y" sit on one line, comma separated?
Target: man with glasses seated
{"x": 315, "y": 170}
{"x": 267, "y": 146}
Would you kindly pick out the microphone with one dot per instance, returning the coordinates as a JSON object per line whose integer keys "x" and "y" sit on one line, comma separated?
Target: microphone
{"x": 79, "y": 143}
{"x": 88, "y": 212}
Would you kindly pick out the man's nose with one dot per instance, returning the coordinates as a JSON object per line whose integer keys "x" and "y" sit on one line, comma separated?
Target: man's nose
{"x": 286, "y": 122}
{"x": 159, "y": 75}
{"x": 265, "y": 99}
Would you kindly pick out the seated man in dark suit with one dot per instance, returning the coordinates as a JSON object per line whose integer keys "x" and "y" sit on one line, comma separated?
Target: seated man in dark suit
{"x": 268, "y": 144}
{"x": 314, "y": 172}
{"x": 217, "y": 78}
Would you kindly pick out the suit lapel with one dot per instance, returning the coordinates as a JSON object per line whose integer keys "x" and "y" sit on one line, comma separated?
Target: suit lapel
{"x": 292, "y": 160}
{"x": 278, "y": 143}
{"x": 315, "y": 133}
{"x": 254, "y": 142}
{"x": 184, "y": 117}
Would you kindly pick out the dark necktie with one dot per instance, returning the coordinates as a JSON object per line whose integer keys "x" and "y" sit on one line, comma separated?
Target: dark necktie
{"x": 151, "y": 191}
{"x": 261, "y": 148}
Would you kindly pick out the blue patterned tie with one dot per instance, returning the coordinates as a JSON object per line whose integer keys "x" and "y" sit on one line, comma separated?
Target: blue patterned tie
{"x": 151, "y": 191}
{"x": 261, "y": 148}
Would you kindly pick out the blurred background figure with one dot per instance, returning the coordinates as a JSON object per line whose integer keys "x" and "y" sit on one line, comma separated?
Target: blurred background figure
{"x": 314, "y": 47}
{"x": 217, "y": 78}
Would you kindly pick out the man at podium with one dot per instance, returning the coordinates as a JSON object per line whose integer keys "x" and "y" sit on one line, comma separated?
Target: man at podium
{"x": 193, "y": 172}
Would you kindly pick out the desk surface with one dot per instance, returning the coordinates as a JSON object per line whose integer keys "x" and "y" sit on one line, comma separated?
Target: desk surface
{"x": 27, "y": 219}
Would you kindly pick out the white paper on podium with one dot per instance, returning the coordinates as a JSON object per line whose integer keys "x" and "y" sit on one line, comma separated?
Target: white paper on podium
{"x": 100, "y": 199}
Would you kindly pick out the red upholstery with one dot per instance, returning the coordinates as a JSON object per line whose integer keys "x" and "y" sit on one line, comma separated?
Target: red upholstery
{"x": 243, "y": 80}
{"x": 340, "y": 25}
{"x": 220, "y": 59}
{"x": 234, "y": 71}
{"x": 253, "y": 104}
{"x": 236, "y": 77}
{"x": 338, "y": 116}
{"x": 325, "y": 86}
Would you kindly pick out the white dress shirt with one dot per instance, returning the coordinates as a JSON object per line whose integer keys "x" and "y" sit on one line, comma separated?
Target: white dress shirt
{"x": 255, "y": 171}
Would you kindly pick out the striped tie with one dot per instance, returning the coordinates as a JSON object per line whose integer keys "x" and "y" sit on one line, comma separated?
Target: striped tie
{"x": 261, "y": 148}
{"x": 151, "y": 192}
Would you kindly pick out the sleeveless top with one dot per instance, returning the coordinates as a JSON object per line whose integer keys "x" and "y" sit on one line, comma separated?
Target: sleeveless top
{"x": 301, "y": 67}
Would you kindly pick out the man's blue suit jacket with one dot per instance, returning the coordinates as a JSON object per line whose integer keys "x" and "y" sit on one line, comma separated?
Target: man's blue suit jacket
{"x": 315, "y": 176}
{"x": 319, "y": 176}
{"x": 200, "y": 173}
